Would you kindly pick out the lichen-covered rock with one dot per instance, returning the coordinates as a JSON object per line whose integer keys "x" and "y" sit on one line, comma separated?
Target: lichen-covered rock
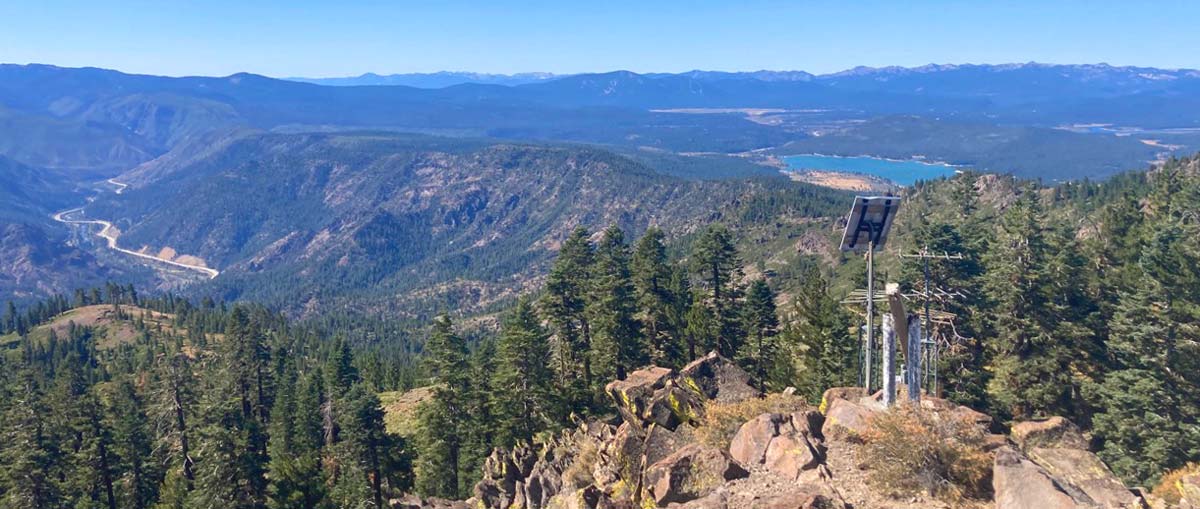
{"x": 1055, "y": 432}
{"x": 656, "y": 396}
{"x": 632, "y": 448}
{"x": 835, "y": 393}
{"x": 691, "y": 473}
{"x": 718, "y": 379}
{"x": 532, "y": 476}
{"x": 846, "y": 419}
{"x": 1078, "y": 470}
{"x": 1189, "y": 489}
{"x": 588, "y": 497}
{"x": 633, "y": 395}
{"x": 1020, "y": 484}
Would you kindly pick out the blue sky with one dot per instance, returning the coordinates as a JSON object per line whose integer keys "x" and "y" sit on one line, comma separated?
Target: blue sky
{"x": 310, "y": 38}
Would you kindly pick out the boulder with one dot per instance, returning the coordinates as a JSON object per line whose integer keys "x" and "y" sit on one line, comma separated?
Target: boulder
{"x": 588, "y": 497}
{"x": 691, "y": 473}
{"x": 633, "y": 394}
{"x": 715, "y": 500}
{"x": 719, "y": 379}
{"x": 980, "y": 419}
{"x": 835, "y": 393}
{"x": 1189, "y": 490}
{"x": 785, "y": 497}
{"x": 654, "y": 396}
{"x": 846, "y": 419}
{"x": 809, "y": 423}
{"x": 790, "y": 454}
{"x": 749, "y": 445}
{"x": 1078, "y": 470}
{"x": 1020, "y": 484}
{"x": 992, "y": 442}
{"x": 1055, "y": 432}
{"x": 415, "y": 502}
{"x": 532, "y": 477}
{"x": 631, "y": 443}
{"x": 785, "y": 444}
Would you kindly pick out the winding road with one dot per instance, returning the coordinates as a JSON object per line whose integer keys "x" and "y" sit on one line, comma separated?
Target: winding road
{"x": 110, "y": 234}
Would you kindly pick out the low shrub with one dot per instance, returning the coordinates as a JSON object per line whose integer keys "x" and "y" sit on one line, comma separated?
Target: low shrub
{"x": 911, "y": 450}
{"x": 721, "y": 421}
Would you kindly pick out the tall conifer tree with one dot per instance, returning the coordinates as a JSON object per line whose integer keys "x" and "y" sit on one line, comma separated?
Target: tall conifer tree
{"x": 524, "y": 380}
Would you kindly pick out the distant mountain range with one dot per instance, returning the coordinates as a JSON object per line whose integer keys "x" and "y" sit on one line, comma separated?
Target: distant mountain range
{"x": 1128, "y": 75}
{"x": 432, "y": 79}
{"x": 106, "y": 122}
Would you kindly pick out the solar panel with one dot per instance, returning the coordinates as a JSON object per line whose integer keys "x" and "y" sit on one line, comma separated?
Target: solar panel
{"x": 870, "y": 220}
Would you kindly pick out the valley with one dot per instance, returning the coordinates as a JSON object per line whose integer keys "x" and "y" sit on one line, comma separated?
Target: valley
{"x": 110, "y": 235}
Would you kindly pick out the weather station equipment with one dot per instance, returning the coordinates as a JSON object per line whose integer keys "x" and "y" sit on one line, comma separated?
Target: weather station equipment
{"x": 867, "y": 231}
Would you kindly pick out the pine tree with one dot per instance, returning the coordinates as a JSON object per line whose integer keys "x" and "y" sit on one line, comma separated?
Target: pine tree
{"x": 361, "y": 450}
{"x": 174, "y": 408}
{"x": 1029, "y": 363}
{"x": 232, "y": 438}
{"x": 615, "y": 348}
{"x": 9, "y": 322}
{"x": 443, "y": 418}
{"x": 80, "y": 441}
{"x": 296, "y": 477}
{"x": 652, "y": 283}
{"x": 758, "y": 353}
{"x": 523, "y": 379}
{"x": 715, "y": 261}
{"x": 28, "y": 456}
{"x": 1148, "y": 405}
{"x": 481, "y": 408}
{"x": 564, "y": 306}
{"x": 700, "y": 328}
{"x": 133, "y": 444}
{"x": 821, "y": 337}
{"x": 95, "y": 463}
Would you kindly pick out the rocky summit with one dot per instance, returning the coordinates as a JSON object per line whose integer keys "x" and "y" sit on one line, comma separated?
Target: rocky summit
{"x": 653, "y": 455}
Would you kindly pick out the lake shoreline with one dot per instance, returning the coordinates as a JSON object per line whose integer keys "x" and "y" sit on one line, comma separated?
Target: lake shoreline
{"x": 877, "y": 158}
{"x": 895, "y": 171}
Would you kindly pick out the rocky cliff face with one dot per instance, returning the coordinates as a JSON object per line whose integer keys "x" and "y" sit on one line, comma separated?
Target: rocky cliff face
{"x": 808, "y": 458}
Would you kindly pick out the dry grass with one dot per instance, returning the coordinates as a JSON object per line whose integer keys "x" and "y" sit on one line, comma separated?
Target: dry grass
{"x": 721, "y": 421}
{"x": 911, "y": 450}
{"x": 1168, "y": 487}
{"x": 579, "y": 473}
{"x": 400, "y": 409}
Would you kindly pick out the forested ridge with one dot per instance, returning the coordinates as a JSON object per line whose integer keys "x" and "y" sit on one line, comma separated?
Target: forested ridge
{"x": 1081, "y": 300}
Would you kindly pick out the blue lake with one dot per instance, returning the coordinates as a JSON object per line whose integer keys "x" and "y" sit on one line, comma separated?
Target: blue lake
{"x": 904, "y": 173}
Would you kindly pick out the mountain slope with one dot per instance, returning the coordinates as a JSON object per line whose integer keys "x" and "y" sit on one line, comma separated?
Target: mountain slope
{"x": 313, "y": 217}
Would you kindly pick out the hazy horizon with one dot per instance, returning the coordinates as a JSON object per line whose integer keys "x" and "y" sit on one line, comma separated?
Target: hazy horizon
{"x": 314, "y": 39}
{"x": 603, "y": 71}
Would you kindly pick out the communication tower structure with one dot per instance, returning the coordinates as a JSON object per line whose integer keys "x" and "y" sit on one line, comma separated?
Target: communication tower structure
{"x": 927, "y": 296}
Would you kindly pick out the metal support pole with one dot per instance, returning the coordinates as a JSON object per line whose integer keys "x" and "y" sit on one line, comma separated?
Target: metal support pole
{"x": 889, "y": 360}
{"x": 929, "y": 365}
{"x": 870, "y": 315}
{"x": 912, "y": 361}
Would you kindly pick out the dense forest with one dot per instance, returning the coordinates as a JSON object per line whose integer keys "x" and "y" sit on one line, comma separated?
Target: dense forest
{"x": 1080, "y": 300}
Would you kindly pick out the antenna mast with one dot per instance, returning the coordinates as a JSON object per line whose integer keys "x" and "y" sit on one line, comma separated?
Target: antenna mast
{"x": 928, "y": 295}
